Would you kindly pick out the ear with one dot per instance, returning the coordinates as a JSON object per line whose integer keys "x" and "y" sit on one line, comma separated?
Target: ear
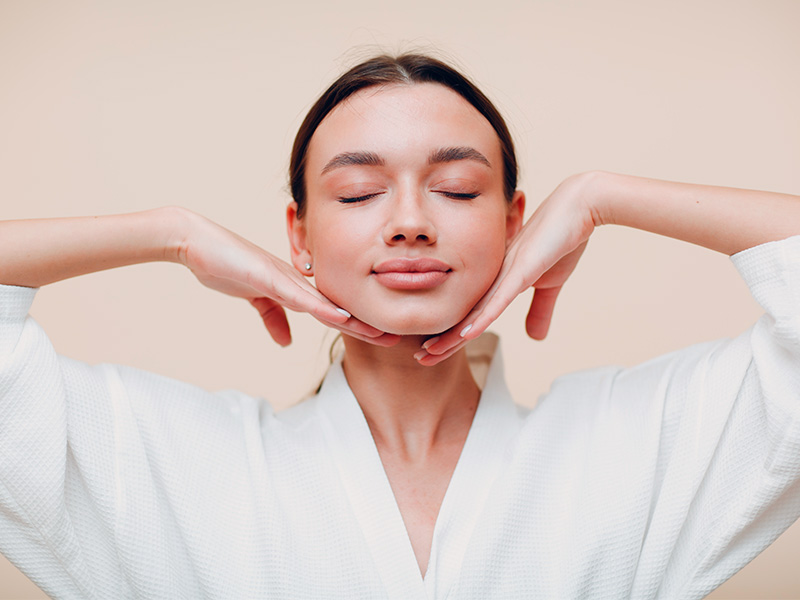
{"x": 296, "y": 228}
{"x": 515, "y": 216}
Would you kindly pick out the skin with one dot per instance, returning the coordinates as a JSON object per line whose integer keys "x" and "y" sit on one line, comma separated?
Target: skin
{"x": 407, "y": 207}
{"x": 545, "y": 252}
{"x": 404, "y": 348}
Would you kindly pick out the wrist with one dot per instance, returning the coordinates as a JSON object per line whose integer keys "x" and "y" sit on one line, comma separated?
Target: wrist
{"x": 176, "y": 224}
{"x": 592, "y": 190}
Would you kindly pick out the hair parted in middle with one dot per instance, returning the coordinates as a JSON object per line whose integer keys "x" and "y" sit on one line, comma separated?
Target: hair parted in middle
{"x": 402, "y": 69}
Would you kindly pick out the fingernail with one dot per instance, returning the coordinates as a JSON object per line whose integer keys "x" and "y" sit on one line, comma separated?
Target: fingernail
{"x": 420, "y": 355}
{"x": 431, "y": 342}
{"x": 465, "y": 330}
{"x": 344, "y": 312}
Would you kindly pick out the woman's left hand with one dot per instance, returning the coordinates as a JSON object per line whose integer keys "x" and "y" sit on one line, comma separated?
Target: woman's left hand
{"x": 542, "y": 255}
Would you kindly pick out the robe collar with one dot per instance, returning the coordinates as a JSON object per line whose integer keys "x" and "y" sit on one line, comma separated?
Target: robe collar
{"x": 495, "y": 426}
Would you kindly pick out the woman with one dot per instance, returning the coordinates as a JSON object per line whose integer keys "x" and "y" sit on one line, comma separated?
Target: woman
{"x": 405, "y": 476}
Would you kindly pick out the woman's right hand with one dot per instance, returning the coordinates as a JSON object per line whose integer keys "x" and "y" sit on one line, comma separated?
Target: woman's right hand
{"x": 37, "y": 252}
{"x": 228, "y": 263}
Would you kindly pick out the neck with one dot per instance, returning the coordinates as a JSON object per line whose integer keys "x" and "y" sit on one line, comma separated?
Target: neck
{"x": 411, "y": 409}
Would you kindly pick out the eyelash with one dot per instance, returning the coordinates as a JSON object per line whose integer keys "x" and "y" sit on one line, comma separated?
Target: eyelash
{"x": 349, "y": 200}
{"x": 461, "y": 195}
{"x": 453, "y": 195}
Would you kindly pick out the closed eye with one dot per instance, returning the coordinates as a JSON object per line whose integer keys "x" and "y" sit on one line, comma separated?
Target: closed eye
{"x": 459, "y": 195}
{"x": 351, "y": 199}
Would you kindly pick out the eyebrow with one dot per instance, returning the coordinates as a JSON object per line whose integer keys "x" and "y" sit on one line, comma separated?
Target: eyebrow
{"x": 444, "y": 155}
{"x": 370, "y": 159}
{"x": 346, "y": 159}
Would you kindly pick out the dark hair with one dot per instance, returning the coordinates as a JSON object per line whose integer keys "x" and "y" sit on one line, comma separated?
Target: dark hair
{"x": 383, "y": 70}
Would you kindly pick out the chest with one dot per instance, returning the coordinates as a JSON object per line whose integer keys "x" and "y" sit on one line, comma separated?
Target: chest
{"x": 419, "y": 489}
{"x": 325, "y": 511}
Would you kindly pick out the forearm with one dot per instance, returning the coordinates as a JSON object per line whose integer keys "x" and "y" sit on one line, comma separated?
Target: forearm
{"x": 724, "y": 219}
{"x": 41, "y": 251}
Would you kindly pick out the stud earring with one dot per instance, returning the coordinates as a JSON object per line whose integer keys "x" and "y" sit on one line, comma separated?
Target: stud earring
{"x": 307, "y": 266}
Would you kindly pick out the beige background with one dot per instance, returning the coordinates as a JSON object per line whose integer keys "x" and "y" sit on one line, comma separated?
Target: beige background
{"x": 119, "y": 106}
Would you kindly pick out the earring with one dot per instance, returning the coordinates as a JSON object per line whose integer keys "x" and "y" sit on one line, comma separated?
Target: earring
{"x": 307, "y": 266}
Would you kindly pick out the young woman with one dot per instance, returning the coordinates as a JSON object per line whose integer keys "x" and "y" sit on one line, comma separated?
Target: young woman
{"x": 411, "y": 474}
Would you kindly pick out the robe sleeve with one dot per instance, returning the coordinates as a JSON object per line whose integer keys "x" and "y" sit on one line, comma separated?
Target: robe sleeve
{"x": 101, "y": 464}
{"x": 36, "y": 457}
{"x": 728, "y": 468}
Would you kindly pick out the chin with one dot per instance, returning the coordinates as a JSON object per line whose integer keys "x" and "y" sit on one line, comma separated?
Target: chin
{"x": 406, "y": 314}
{"x": 416, "y": 331}
{"x": 412, "y": 324}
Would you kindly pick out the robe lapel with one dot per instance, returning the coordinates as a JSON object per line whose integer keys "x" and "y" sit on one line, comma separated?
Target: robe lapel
{"x": 368, "y": 488}
{"x": 494, "y": 428}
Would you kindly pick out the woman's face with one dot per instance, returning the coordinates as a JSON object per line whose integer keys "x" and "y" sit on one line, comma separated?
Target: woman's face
{"x": 406, "y": 223}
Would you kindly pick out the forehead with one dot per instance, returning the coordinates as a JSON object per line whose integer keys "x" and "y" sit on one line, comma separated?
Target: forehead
{"x": 402, "y": 123}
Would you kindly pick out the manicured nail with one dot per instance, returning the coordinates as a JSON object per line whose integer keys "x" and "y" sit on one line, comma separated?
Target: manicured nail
{"x": 344, "y": 312}
{"x": 420, "y": 355}
{"x": 431, "y": 342}
{"x": 465, "y": 330}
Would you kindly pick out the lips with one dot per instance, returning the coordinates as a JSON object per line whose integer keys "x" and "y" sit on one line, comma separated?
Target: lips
{"x": 411, "y": 273}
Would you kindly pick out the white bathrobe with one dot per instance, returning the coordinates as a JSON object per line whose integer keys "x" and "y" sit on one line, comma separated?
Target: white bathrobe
{"x": 658, "y": 481}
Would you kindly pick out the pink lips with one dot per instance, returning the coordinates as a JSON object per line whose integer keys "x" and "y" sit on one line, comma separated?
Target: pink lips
{"x": 411, "y": 273}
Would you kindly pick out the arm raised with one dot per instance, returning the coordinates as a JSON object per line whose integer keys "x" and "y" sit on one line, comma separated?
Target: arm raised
{"x": 41, "y": 251}
{"x": 725, "y": 219}
{"x": 547, "y": 249}
{"x": 36, "y": 252}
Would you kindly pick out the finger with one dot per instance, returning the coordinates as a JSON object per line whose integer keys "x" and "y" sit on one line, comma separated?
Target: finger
{"x": 444, "y": 342}
{"x": 509, "y": 288}
{"x": 537, "y": 323}
{"x": 298, "y": 295}
{"x": 303, "y": 297}
{"x": 284, "y": 285}
{"x": 478, "y": 320}
{"x": 354, "y": 327}
{"x": 385, "y": 339}
{"x": 274, "y": 317}
{"x": 429, "y": 360}
{"x": 464, "y": 329}
{"x": 453, "y": 336}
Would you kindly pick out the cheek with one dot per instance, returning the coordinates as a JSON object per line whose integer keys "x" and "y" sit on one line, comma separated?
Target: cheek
{"x": 338, "y": 260}
{"x": 483, "y": 250}
{"x": 344, "y": 253}
{"x": 335, "y": 281}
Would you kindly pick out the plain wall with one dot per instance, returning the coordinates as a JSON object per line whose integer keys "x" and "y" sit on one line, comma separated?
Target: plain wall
{"x": 112, "y": 107}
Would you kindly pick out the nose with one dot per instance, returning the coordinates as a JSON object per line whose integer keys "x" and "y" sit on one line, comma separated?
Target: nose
{"x": 409, "y": 221}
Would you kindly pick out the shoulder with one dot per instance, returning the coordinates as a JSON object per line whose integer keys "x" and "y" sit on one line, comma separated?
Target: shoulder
{"x": 592, "y": 392}
{"x": 300, "y": 414}
{"x": 161, "y": 407}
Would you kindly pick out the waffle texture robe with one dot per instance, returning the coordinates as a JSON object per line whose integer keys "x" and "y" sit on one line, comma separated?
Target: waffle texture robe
{"x": 658, "y": 481}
